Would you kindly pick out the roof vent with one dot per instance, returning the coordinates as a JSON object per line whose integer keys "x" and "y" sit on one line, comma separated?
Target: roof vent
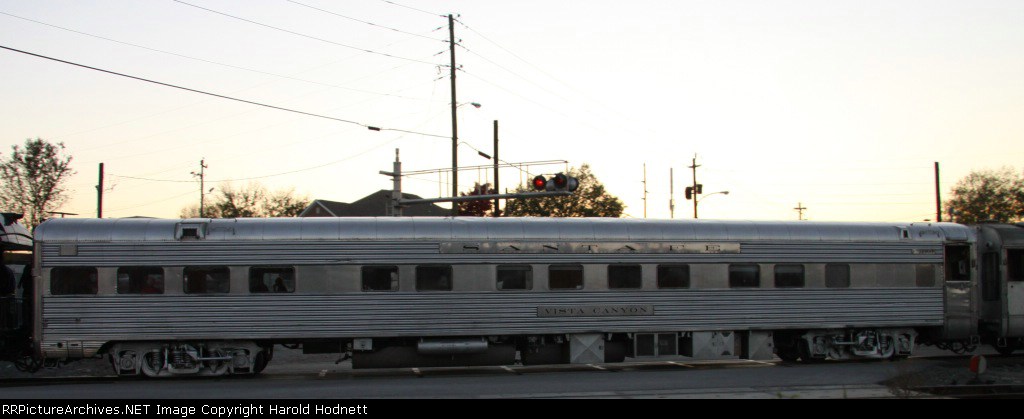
{"x": 190, "y": 231}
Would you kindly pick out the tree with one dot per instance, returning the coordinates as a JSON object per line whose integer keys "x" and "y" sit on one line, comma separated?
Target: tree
{"x": 192, "y": 211}
{"x": 988, "y": 195}
{"x": 250, "y": 201}
{"x": 284, "y": 203}
{"x": 241, "y": 203}
{"x": 590, "y": 200}
{"x": 35, "y": 179}
{"x": 481, "y": 208}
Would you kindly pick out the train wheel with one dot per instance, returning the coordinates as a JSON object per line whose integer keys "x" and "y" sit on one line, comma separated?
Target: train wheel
{"x": 28, "y": 363}
{"x": 1011, "y": 345}
{"x": 260, "y": 363}
{"x": 216, "y": 368}
{"x": 887, "y": 347}
{"x": 152, "y": 364}
{"x": 804, "y": 348}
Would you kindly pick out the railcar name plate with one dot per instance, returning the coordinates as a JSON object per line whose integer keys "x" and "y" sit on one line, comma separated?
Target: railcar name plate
{"x": 595, "y": 311}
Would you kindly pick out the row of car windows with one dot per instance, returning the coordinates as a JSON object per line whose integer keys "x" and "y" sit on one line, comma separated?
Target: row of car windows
{"x": 281, "y": 279}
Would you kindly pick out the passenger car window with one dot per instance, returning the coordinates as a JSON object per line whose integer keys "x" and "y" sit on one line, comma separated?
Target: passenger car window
{"x": 565, "y": 277}
{"x": 789, "y": 276}
{"x": 744, "y": 276}
{"x": 674, "y": 276}
{"x": 925, "y": 275}
{"x": 514, "y": 277}
{"x": 434, "y": 278}
{"x": 207, "y": 280}
{"x": 140, "y": 280}
{"x": 1015, "y": 264}
{"x": 73, "y": 280}
{"x": 625, "y": 276}
{"x": 279, "y": 279}
{"x": 380, "y": 278}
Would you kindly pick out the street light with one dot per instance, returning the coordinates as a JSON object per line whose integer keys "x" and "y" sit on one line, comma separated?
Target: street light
{"x": 455, "y": 139}
{"x": 697, "y": 200}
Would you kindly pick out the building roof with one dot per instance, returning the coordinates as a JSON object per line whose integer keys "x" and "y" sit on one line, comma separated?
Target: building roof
{"x": 373, "y": 205}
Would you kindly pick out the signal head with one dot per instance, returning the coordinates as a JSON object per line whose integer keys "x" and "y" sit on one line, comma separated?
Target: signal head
{"x": 561, "y": 182}
{"x": 539, "y": 183}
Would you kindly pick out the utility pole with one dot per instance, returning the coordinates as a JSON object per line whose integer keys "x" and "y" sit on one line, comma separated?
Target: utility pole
{"x": 455, "y": 123}
{"x": 645, "y": 190}
{"x": 497, "y": 211}
{"x": 202, "y": 185}
{"x": 800, "y": 211}
{"x": 696, "y": 188}
{"x": 395, "y": 174}
{"x": 99, "y": 194}
{"x": 938, "y": 198}
{"x": 671, "y": 194}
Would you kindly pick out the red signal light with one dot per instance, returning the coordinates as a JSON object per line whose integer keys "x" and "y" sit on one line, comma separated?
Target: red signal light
{"x": 539, "y": 183}
{"x": 560, "y": 181}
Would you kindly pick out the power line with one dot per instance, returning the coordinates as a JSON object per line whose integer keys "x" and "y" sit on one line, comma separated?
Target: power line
{"x": 511, "y": 53}
{"x": 204, "y": 122}
{"x": 372, "y": 128}
{"x": 149, "y": 179}
{"x": 151, "y": 203}
{"x": 413, "y": 8}
{"x": 239, "y": 155}
{"x": 546, "y": 90}
{"x": 363, "y": 21}
{"x": 270, "y": 175}
{"x": 145, "y": 178}
{"x": 527, "y": 98}
{"x": 307, "y": 36}
{"x": 559, "y": 81}
{"x": 503, "y": 161}
{"x": 208, "y": 61}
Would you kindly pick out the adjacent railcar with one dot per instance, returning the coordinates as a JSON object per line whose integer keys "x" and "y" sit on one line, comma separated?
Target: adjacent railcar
{"x": 15, "y": 289}
{"x": 1000, "y": 256}
{"x": 213, "y": 296}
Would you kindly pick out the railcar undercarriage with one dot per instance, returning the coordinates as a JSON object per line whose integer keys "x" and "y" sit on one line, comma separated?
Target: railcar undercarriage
{"x": 814, "y": 345}
{"x": 165, "y": 359}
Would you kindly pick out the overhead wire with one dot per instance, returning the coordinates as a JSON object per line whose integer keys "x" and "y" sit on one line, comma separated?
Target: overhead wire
{"x": 557, "y": 111}
{"x": 413, "y": 8}
{"x": 211, "y": 120}
{"x": 149, "y": 203}
{"x": 375, "y": 147}
{"x": 239, "y": 155}
{"x": 619, "y": 115}
{"x": 205, "y": 60}
{"x": 372, "y": 128}
{"x": 363, "y": 21}
{"x": 305, "y": 35}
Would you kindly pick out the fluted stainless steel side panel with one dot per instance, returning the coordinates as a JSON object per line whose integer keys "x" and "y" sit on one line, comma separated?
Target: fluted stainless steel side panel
{"x": 94, "y": 320}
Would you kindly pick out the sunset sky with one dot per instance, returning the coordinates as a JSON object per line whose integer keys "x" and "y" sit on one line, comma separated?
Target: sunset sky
{"x": 841, "y": 106}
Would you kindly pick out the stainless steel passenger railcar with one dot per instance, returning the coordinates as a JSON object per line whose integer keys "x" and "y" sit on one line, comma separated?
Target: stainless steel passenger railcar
{"x": 203, "y": 296}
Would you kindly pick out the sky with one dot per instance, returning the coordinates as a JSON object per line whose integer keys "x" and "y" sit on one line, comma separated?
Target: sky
{"x": 838, "y": 107}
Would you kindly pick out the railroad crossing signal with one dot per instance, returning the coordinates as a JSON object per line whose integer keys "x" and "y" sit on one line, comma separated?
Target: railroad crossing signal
{"x": 539, "y": 183}
{"x": 691, "y": 192}
{"x": 557, "y": 183}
